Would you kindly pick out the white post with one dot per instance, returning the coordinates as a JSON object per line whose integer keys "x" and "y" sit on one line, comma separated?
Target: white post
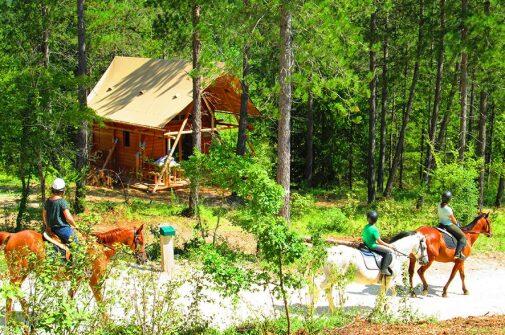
{"x": 167, "y": 234}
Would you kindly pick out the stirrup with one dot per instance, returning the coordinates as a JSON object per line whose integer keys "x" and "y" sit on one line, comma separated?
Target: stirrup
{"x": 460, "y": 257}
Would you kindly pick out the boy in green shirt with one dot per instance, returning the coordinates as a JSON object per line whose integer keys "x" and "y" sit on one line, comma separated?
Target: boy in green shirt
{"x": 372, "y": 240}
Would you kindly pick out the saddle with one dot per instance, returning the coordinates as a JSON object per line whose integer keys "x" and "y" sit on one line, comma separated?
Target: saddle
{"x": 59, "y": 246}
{"x": 371, "y": 259}
{"x": 450, "y": 241}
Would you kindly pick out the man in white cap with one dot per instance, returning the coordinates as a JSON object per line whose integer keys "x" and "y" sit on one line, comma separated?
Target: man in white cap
{"x": 56, "y": 214}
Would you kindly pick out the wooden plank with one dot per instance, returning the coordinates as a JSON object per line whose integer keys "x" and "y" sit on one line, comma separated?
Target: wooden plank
{"x": 169, "y": 157}
{"x": 204, "y": 130}
{"x": 109, "y": 155}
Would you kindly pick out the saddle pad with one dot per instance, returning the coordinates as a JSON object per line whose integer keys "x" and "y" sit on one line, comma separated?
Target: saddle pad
{"x": 450, "y": 241}
{"x": 371, "y": 259}
{"x": 58, "y": 246}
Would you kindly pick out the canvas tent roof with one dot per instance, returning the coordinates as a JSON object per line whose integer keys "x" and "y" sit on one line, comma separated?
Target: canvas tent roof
{"x": 151, "y": 92}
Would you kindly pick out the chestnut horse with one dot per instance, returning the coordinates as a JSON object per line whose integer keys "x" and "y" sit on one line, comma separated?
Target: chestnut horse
{"x": 19, "y": 247}
{"x": 438, "y": 251}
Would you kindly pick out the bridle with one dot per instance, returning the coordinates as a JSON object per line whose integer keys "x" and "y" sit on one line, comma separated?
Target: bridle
{"x": 488, "y": 234}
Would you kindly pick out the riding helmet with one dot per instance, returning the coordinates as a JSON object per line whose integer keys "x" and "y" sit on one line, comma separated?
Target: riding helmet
{"x": 446, "y": 196}
{"x": 372, "y": 216}
{"x": 58, "y": 184}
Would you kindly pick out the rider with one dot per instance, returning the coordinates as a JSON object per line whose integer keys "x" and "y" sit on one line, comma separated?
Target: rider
{"x": 449, "y": 222}
{"x": 56, "y": 214}
{"x": 372, "y": 240}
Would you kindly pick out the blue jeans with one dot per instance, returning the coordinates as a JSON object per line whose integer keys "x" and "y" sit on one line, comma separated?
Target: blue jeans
{"x": 66, "y": 234}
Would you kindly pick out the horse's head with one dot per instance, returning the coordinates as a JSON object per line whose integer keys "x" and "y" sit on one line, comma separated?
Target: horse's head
{"x": 484, "y": 224}
{"x": 138, "y": 245}
{"x": 480, "y": 225}
{"x": 422, "y": 251}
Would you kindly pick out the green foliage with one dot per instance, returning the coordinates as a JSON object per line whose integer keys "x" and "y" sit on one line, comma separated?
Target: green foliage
{"x": 460, "y": 180}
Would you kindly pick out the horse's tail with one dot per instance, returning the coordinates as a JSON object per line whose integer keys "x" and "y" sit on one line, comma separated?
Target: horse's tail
{"x": 4, "y": 237}
{"x": 401, "y": 235}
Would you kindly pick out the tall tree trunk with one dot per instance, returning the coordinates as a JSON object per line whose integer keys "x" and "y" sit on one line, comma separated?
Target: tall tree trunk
{"x": 384, "y": 105}
{"x": 406, "y": 114}
{"x": 309, "y": 142}
{"x": 501, "y": 188}
{"x": 438, "y": 95}
{"x": 373, "y": 113}
{"x": 481, "y": 145}
{"x": 82, "y": 139}
{"x": 440, "y": 143}
{"x": 244, "y": 99}
{"x": 471, "y": 115}
{"x": 285, "y": 100}
{"x": 45, "y": 93}
{"x": 25, "y": 192}
{"x": 463, "y": 81}
{"x": 350, "y": 156}
{"x": 489, "y": 146}
{"x": 196, "y": 117}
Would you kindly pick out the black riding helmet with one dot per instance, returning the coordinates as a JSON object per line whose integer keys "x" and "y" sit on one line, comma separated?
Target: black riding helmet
{"x": 372, "y": 216}
{"x": 446, "y": 196}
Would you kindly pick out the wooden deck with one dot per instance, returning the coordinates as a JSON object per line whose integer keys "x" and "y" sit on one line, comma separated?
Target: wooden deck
{"x": 149, "y": 187}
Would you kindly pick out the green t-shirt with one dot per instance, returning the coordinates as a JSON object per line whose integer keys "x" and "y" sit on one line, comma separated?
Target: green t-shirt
{"x": 55, "y": 216}
{"x": 370, "y": 235}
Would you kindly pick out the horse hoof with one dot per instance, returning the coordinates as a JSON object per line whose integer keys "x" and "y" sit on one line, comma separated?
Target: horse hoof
{"x": 425, "y": 292}
{"x": 444, "y": 295}
{"x": 466, "y": 292}
{"x": 413, "y": 295}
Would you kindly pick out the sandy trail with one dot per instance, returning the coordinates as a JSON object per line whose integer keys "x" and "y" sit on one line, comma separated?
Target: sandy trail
{"x": 484, "y": 278}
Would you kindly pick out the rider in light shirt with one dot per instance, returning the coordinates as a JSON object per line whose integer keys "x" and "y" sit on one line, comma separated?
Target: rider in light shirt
{"x": 448, "y": 221}
{"x": 372, "y": 240}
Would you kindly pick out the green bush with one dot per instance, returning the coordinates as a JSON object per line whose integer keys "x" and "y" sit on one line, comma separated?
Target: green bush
{"x": 459, "y": 178}
{"x": 301, "y": 204}
{"x": 327, "y": 220}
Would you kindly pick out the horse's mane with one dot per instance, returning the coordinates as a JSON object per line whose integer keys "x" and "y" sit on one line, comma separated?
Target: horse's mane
{"x": 401, "y": 235}
{"x": 473, "y": 223}
{"x": 110, "y": 236}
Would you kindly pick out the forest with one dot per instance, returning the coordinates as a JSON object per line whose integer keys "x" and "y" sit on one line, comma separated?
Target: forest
{"x": 365, "y": 104}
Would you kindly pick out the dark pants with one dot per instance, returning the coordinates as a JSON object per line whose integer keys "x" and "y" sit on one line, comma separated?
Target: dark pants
{"x": 459, "y": 235}
{"x": 387, "y": 257}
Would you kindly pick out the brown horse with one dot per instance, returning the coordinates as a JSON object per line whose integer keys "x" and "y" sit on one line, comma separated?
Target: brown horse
{"x": 438, "y": 251}
{"x": 21, "y": 246}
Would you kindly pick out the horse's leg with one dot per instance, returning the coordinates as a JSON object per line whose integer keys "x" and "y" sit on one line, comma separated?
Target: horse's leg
{"x": 462, "y": 276}
{"x": 451, "y": 277}
{"x": 412, "y": 267}
{"x": 421, "y": 272}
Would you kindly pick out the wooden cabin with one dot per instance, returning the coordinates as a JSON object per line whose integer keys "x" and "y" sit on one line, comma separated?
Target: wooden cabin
{"x": 145, "y": 106}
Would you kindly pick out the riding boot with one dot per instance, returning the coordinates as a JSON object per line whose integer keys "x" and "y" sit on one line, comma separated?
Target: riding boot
{"x": 386, "y": 262}
{"x": 459, "y": 247}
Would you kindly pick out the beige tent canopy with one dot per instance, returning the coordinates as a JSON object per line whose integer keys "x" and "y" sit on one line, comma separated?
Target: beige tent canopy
{"x": 151, "y": 92}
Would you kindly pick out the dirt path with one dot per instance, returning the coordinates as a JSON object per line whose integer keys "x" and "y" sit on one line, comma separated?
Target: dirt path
{"x": 492, "y": 325}
{"x": 485, "y": 278}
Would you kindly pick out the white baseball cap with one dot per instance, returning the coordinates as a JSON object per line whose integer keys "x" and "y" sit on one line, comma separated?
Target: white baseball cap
{"x": 58, "y": 184}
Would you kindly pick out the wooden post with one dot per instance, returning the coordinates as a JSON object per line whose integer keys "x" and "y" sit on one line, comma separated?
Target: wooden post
{"x": 167, "y": 235}
{"x": 111, "y": 151}
{"x": 169, "y": 157}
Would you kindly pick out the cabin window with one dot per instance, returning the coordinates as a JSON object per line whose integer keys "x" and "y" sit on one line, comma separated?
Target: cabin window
{"x": 126, "y": 138}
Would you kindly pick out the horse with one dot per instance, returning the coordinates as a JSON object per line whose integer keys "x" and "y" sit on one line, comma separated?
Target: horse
{"x": 439, "y": 252}
{"x": 21, "y": 247}
{"x": 341, "y": 258}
